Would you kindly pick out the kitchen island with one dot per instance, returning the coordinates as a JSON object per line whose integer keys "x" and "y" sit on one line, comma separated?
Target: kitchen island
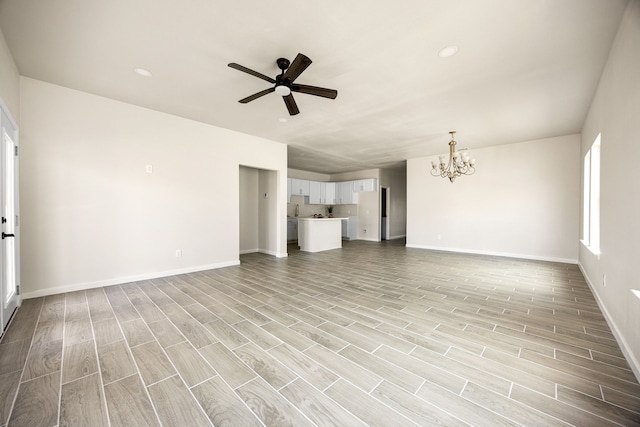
{"x": 319, "y": 234}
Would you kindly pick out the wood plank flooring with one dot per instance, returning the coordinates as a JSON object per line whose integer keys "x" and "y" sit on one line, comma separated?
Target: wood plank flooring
{"x": 371, "y": 334}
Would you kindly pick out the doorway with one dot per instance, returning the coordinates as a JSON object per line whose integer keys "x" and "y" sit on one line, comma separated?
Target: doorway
{"x": 9, "y": 254}
{"x": 258, "y": 211}
{"x": 384, "y": 208}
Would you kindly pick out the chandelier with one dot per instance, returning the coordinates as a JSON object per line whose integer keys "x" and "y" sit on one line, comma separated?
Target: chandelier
{"x": 459, "y": 164}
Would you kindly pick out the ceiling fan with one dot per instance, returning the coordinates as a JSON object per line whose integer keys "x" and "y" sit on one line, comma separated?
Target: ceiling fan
{"x": 284, "y": 82}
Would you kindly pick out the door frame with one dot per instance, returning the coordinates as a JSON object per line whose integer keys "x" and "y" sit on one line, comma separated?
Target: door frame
{"x": 387, "y": 203}
{"x": 9, "y": 127}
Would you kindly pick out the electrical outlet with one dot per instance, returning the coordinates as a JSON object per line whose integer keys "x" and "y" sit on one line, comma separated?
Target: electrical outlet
{"x": 149, "y": 168}
{"x": 439, "y": 236}
{"x": 178, "y": 253}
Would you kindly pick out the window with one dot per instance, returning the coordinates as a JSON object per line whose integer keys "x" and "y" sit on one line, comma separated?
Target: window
{"x": 591, "y": 198}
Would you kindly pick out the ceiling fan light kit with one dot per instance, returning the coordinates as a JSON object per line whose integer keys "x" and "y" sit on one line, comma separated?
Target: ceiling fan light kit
{"x": 459, "y": 163}
{"x": 283, "y": 90}
{"x": 284, "y": 82}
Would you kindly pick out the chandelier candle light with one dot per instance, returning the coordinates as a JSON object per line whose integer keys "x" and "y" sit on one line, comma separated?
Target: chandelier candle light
{"x": 459, "y": 164}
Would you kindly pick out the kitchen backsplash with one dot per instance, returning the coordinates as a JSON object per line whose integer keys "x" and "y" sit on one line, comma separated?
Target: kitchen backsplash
{"x": 309, "y": 210}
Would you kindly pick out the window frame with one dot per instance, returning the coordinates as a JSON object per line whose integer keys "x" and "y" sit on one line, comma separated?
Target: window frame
{"x": 591, "y": 197}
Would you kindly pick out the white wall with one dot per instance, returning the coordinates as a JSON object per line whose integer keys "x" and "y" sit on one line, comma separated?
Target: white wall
{"x": 267, "y": 213}
{"x": 523, "y": 201}
{"x": 615, "y": 112}
{"x": 9, "y": 80}
{"x": 249, "y": 193}
{"x": 92, "y": 216}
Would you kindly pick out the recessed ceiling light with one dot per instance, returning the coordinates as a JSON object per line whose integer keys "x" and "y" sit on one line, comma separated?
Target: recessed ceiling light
{"x": 282, "y": 120}
{"x": 143, "y": 72}
{"x": 448, "y": 51}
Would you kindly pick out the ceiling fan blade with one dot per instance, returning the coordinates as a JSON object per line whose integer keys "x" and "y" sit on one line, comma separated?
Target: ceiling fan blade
{"x": 257, "y": 95}
{"x": 297, "y": 67}
{"x": 291, "y": 105}
{"x": 250, "y": 71}
{"x": 317, "y": 91}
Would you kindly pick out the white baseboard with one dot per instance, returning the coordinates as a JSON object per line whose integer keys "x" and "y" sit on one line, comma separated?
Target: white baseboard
{"x": 264, "y": 251}
{"x": 503, "y": 254}
{"x": 121, "y": 280}
{"x": 399, "y": 236}
{"x": 633, "y": 362}
{"x": 267, "y": 252}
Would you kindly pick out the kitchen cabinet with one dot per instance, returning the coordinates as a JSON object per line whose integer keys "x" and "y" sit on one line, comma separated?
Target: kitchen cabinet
{"x": 299, "y": 187}
{"x": 329, "y": 193}
{"x": 362, "y": 185}
{"x": 292, "y": 229}
{"x": 350, "y": 228}
{"x": 322, "y": 193}
{"x": 345, "y": 194}
{"x": 315, "y": 193}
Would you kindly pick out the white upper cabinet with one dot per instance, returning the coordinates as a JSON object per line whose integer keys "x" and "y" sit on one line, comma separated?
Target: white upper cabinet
{"x": 362, "y": 185}
{"x": 329, "y": 193}
{"x": 344, "y": 193}
{"x": 299, "y": 187}
{"x": 322, "y": 193}
{"x": 315, "y": 193}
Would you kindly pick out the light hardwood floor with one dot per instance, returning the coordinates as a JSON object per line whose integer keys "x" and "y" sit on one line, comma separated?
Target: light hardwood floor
{"x": 372, "y": 334}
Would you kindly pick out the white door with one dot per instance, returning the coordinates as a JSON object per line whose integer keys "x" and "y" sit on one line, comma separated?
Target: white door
{"x": 9, "y": 275}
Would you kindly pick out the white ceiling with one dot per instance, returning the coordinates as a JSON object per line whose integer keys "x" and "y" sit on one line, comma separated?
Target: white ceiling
{"x": 525, "y": 70}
